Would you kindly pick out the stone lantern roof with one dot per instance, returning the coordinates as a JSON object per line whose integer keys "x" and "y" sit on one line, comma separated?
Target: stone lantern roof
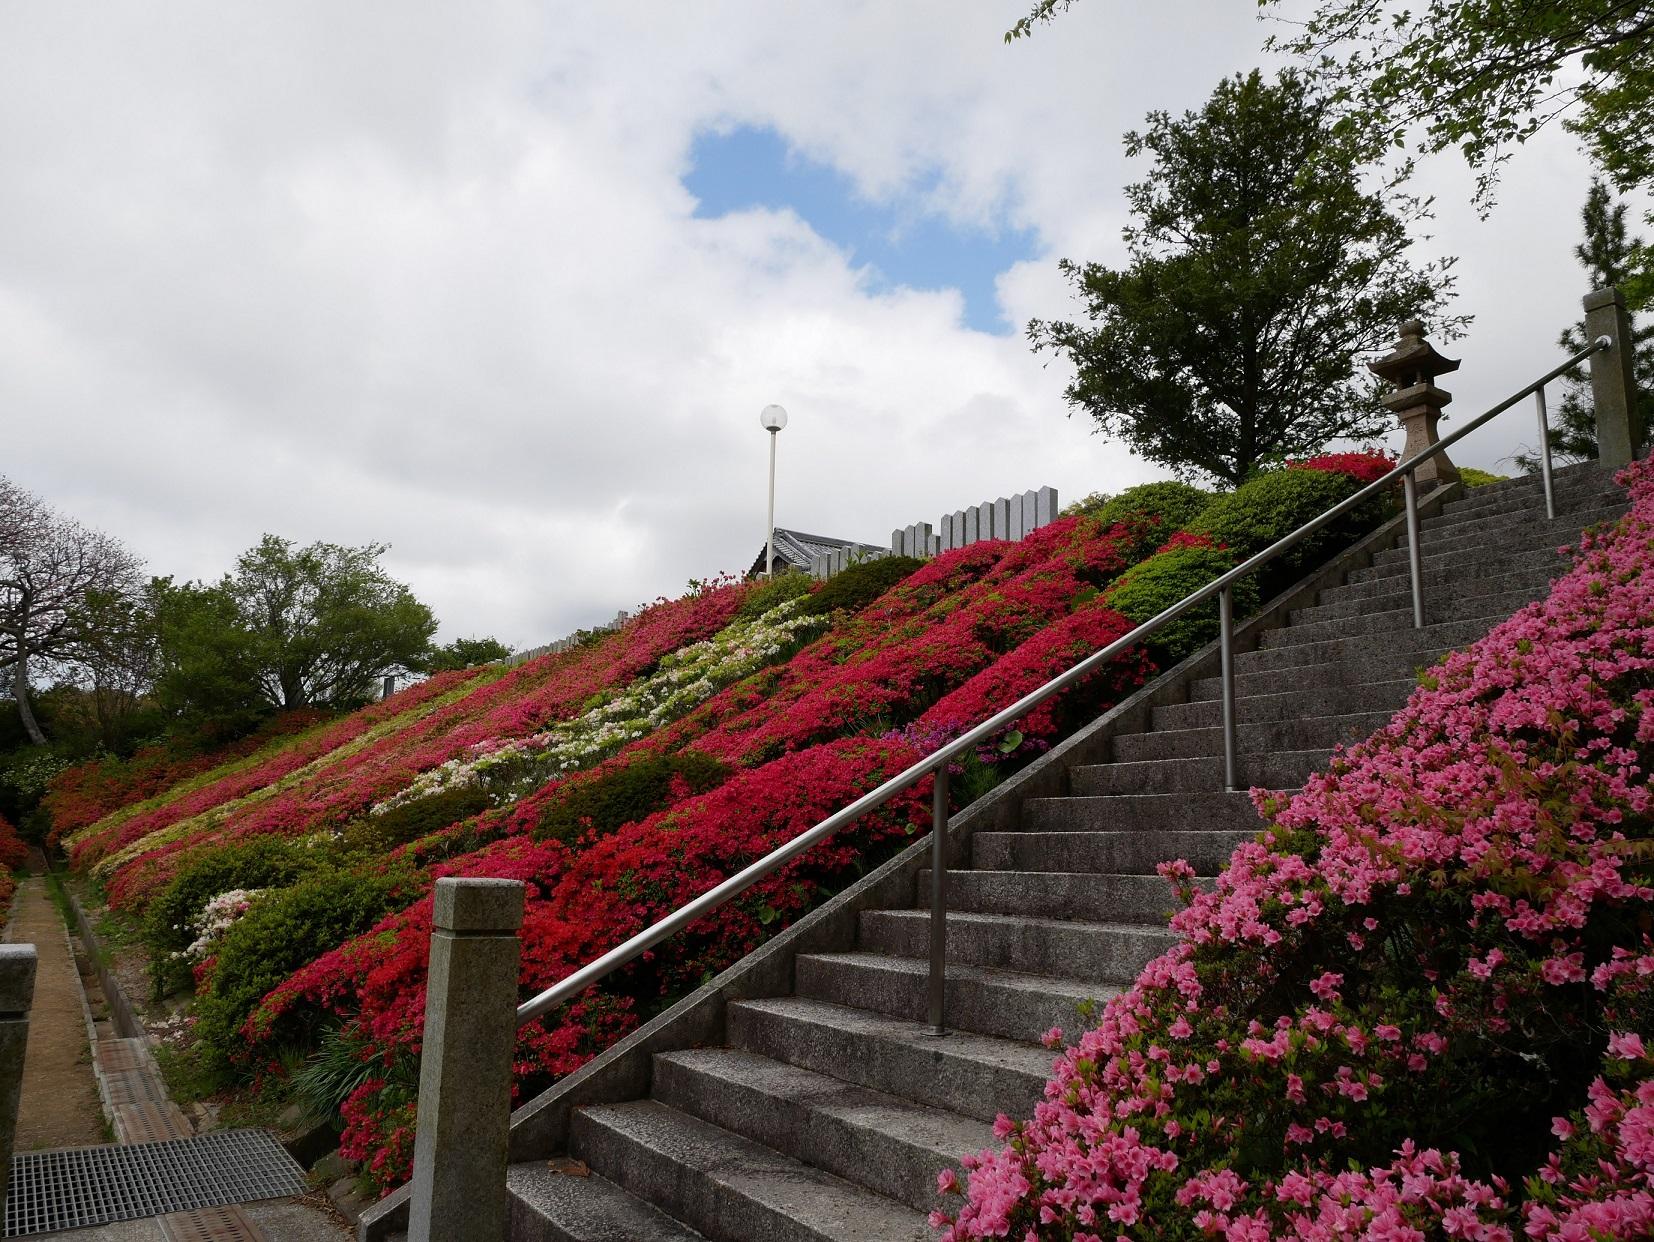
{"x": 1412, "y": 360}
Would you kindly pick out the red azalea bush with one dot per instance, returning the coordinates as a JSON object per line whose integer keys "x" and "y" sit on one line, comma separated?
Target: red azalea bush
{"x": 14, "y": 851}
{"x": 1364, "y": 466}
{"x": 581, "y": 906}
{"x": 81, "y": 795}
{"x": 1416, "y": 1005}
{"x": 924, "y": 639}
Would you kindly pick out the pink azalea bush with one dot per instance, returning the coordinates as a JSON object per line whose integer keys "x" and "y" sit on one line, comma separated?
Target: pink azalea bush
{"x": 1419, "y": 1004}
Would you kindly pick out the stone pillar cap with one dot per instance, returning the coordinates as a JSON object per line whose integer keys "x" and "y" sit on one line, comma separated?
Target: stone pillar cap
{"x": 1598, "y": 298}
{"x": 477, "y": 905}
{"x": 17, "y": 963}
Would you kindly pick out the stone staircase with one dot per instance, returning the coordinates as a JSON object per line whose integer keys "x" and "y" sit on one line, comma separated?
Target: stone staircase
{"x": 826, "y": 1113}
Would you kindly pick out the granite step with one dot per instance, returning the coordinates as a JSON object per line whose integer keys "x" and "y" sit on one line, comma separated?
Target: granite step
{"x": 981, "y": 999}
{"x": 1081, "y": 895}
{"x": 1066, "y": 948}
{"x": 1385, "y": 661}
{"x": 1575, "y": 492}
{"x": 1141, "y": 813}
{"x": 975, "y": 1075}
{"x": 1105, "y": 852}
{"x": 1437, "y": 637}
{"x": 1285, "y": 769}
{"x": 728, "y": 1187}
{"x": 1382, "y": 594}
{"x": 1439, "y": 609}
{"x": 1522, "y": 523}
{"x": 1265, "y": 737}
{"x": 877, "y": 1141}
{"x": 1386, "y": 695}
{"x": 1494, "y": 536}
{"x": 563, "y": 1201}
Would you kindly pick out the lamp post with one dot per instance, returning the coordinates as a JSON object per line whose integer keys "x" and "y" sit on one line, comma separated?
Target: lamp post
{"x": 772, "y": 419}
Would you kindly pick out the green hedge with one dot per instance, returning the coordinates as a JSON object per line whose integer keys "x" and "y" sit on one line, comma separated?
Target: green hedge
{"x": 1151, "y": 586}
{"x": 267, "y": 862}
{"x": 1174, "y": 505}
{"x": 627, "y": 794}
{"x": 379, "y": 834}
{"x": 766, "y": 595}
{"x": 1270, "y": 506}
{"x": 282, "y": 932}
{"x": 1472, "y": 477}
{"x": 861, "y": 584}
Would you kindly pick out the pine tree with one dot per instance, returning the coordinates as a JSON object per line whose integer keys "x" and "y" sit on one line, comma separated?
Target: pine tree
{"x": 1607, "y": 254}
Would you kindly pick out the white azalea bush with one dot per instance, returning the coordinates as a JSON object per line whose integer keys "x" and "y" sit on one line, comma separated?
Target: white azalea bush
{"x": 216, "y": 918}
{"x": 683, "y": 681}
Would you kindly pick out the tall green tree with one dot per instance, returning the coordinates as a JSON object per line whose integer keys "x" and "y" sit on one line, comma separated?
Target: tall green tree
{"x": 1260, "y": 268}
{"x": 290, "y": 627}
{"x": 60, "y": 585}
{"x": 1607, "y": 254}
{"x": 464, "y": 653}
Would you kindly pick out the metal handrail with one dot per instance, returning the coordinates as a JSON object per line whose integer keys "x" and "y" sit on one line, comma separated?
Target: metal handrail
{"x": 936, "y": 762}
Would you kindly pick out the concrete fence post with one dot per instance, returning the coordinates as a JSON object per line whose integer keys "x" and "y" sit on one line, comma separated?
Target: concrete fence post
{"x": 1613, "y": 383}
{"x": 464, "y": 1121}
{"x": 17, "y": 962}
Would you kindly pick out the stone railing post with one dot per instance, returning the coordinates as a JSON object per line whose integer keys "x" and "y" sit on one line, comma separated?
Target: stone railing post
{"x": 1411, "y": 367}
{"x": 464, "y": 1122}
{"x": 1613, "y": 384}
{"x": 17, "y": 963}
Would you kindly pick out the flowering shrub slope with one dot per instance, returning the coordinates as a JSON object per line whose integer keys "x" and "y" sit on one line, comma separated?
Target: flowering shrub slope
{"x": 346, "y": 779}
{"x": 1416, "y": 1006}
{"x": 616, "y": 780}
{"x": 683, "y": 680}
{"x": 580, "y": 905}
{"x": 87, "y": 792}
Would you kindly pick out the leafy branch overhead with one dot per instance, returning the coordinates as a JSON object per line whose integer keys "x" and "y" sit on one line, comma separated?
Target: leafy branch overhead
{"x": 1485, "y": 75}
{"x": 1261, "y": 266}
{"x": 1479, "y": 75}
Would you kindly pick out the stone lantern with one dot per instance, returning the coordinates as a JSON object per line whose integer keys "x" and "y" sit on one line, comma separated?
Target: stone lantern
{"x": 1411, "y": 366}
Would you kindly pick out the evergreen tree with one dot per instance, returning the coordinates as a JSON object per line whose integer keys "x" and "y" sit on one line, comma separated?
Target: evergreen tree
{"x": 1262, "y": 262}
{"x": 1608, "y": 254}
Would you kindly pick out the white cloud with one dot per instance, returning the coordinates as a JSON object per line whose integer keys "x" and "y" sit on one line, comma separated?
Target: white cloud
{"x": 428, "y": 275}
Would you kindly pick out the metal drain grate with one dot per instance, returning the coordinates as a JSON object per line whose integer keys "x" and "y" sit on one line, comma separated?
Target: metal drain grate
{"x": 151, "y": 1121}
{"x": 214, "y": 1224}
{"x": 80, "y": 1186}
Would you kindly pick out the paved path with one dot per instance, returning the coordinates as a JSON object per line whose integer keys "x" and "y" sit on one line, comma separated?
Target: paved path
{"x": 60, "y": 1105}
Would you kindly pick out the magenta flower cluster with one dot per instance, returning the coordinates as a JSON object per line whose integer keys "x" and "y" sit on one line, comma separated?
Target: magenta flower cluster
{"x": 1420, "y": 1003}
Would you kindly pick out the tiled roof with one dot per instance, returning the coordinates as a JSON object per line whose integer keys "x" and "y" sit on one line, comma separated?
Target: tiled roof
{"x": 795, "y": 549}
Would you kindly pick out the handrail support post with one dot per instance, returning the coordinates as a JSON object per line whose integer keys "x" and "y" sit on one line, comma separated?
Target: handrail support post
{"x": 1415, "y": 568}
{"x": 1545, "y": 454}
{"x": 937, "y": 1001}
{"x": 1226, "y": 663}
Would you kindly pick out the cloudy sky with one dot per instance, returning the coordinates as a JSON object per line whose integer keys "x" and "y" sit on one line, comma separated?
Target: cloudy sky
{"x": 506, "y": 285}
